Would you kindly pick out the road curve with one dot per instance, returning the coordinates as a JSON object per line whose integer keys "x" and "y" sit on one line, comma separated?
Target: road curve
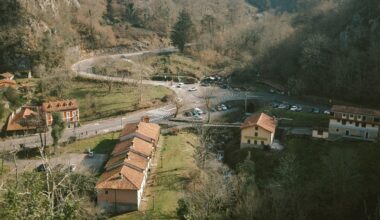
{"x": 83, "y": 69}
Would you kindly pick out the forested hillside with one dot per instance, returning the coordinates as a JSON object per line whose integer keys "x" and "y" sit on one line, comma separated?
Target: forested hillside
{"x": 333, "y": 52}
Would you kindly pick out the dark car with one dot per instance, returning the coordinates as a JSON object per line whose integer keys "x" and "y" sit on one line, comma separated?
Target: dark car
{"x": 41, "y": 168}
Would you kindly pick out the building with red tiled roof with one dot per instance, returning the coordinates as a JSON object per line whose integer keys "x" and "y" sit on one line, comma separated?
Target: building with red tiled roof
{"x": 258, "y": 130}
{"x": 69, "y": 110}
{"x": 24, "y": 120}
{"x": 354, "y": 122}
{"x": 121, "y": 186}
{"x": 7, "y": 83}
{"x": 7, "y": 75}
{"x": 144, "y": 130}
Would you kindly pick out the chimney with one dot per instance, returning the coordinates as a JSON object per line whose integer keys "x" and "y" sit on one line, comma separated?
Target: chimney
{"x": 121, "y": 176}
{"x": 145, "y": 119}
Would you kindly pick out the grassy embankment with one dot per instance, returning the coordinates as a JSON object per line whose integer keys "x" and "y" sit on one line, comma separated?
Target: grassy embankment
{"x": 96, "y": 101}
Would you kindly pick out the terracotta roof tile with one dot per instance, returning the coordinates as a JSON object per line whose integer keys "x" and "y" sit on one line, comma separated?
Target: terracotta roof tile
{"x": 355, "y": 110}
{"x": 128, "y": 129}
{"x": 56, "y": 106}
{"x": 122, "y": 177}
{"x": 7, "y": 75}
{"x": 24, "y": 119}
{"x": 262, "y": 120}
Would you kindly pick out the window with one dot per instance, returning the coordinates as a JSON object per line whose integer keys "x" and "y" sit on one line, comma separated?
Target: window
{"x": 344, "y": 115}
{"x": 363, "y": 125}
{"x": 337, "y": 130}
{"x": 344, "y": 122}
{"x": 256, "y": 134}
{"x": 255, "y": 142}
{"x": 357, "y": 124}
{"x": 262, "y": 142}
{"x": 364, "y": 118}
{"x": 350, "y": 122}
{"x": 249, "y": 141}
{"x": 106, "y": 192}
{"x": 320, "y": 132}
{"x": 359, "y": 117}
{"x": 257, "y": 128}
{"x": 351, "y": 115}
{"x": 338, "y": 120}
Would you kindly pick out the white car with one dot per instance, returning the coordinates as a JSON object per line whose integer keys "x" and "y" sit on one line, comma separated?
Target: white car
{"x": 293, "y": 108}
{"x": 224, "y": 108}
{"x": 198, "y": 110}
{"x": 326, "y": 112}
{"x": 192, "y": 89}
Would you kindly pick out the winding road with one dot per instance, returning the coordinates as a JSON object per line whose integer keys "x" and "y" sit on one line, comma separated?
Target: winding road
{"x": 188, "y": 100}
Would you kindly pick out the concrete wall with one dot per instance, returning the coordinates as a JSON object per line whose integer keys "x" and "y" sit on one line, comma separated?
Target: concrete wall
{"x": 323, "y": 135}
{"x": 350, "y": 129}
{"x": 248, "y": 138}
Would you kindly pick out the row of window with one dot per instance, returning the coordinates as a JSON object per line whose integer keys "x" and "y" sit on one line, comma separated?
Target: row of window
{"x": 351, "y": 116}
{"x": 357, "y": 124}
{"x": 255, "y": 142}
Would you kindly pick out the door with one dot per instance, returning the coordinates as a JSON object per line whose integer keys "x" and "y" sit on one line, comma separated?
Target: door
{"x": 366, "y": 135}
{"x": 347, "y": 132}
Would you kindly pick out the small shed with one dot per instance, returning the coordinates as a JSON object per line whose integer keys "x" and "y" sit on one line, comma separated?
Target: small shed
{"x": 321, "y": 133}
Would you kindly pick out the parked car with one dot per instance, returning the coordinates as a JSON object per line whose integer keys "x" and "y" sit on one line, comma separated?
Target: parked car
{"x": 219, "y": 108}
{"x": 272, "y": 91}
{"x": 192, "y": 89}
{"x": 224, "y": 108}
{"x": 315, "y": 110}
{"x": 41, "y": 168}
{"x": 326, "y": 112}
{"x": 90, "y": 153}
{"x": 293, "y": 108}
{"x": 275, "y": 105}
{"x": 188, "y": 114}
{"x": 197, "y": 117}
{"x": 283, "y": 106}
{"x": 198, "y": 111}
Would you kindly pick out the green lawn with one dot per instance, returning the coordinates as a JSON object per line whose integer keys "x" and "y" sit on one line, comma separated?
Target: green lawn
{"x": 172, "y": 175}
{"x": 101, "y": 144}
{"x": 97, "y": 102}
{"x": 300, "y": 119}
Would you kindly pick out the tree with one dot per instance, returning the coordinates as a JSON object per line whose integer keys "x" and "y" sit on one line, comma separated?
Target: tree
{"x": 182, "y": 209}
{"x": 183, "y": 30}
{"x": 57, "y": 128}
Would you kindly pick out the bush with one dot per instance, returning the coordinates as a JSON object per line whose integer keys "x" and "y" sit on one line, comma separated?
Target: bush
{"x": 182, "y": 209}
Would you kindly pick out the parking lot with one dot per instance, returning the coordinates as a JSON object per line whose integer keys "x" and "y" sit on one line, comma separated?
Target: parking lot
{"x": 77, "y": 162}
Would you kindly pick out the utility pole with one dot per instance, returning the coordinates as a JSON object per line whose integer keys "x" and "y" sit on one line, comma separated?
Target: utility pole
{"x": 245, "y": 102}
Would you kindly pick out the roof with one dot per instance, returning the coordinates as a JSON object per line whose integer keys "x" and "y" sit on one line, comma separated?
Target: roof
{"x": 129, "y": 159}
{"x": 149, "y": 130}
{"x": 4, "y": 83}
{"x": 262, "y": 120}
{"x": 7, "y": 75}
{"x": 355, "y": 110}
{"x": 128, "y": 129}
{"x": 62, "y": 105}
{"x": 121, "y": 177}
{"x": 18, "y": 120}
{"x": 136, "y": 145}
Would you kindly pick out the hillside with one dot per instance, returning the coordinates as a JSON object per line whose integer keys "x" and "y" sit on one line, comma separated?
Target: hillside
{"x": 329, "y": 50}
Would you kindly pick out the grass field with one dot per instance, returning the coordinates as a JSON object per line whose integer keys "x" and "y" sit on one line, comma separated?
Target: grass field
{"x": 300, "y": 119}
{"x": 177, "y": 65}
{"x": 97, "y": 102}
{"x": 172, "y": 175}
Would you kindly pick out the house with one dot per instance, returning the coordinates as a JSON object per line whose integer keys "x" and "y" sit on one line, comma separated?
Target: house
{"x": 7, "y": 83}
{"x": 258, "y": 130}
{"x": 144, "y": 130}
{"x": 7, "y": 75}
{"x": 69, "y": 110}
{"x": 354, "y": 122}
{"x": 121, "y": 186}
{"x": 321, "y": 133}
{"x": 24, "y": 120}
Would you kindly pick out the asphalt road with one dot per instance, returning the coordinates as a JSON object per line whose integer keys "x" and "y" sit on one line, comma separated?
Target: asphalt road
{"x": 188, "y": 100}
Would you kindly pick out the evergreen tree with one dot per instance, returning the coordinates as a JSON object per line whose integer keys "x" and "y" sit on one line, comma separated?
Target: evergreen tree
{"x": 183, "y": 30}
{"x": 58, "y": 126}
